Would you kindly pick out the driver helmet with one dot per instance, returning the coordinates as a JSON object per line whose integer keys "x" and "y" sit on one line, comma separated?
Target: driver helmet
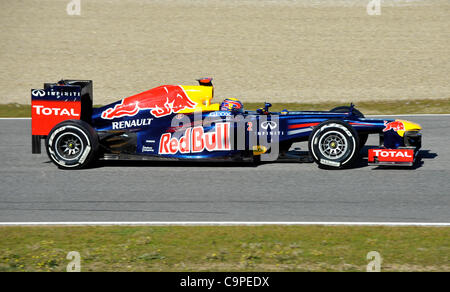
{"x": 232, "y": 105}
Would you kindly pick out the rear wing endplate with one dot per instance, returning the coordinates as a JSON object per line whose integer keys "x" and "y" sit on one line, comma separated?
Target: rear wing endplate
{"x": 57, "y": 102}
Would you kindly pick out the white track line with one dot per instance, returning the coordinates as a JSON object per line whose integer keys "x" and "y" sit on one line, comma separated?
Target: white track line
{"x": 412, "y": 115}
{"x": 15, "y": 118}
{"x": 430, "y": 224}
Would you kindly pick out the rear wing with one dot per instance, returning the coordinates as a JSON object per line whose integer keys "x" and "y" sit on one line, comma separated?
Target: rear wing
{"x": 57, "y": 102}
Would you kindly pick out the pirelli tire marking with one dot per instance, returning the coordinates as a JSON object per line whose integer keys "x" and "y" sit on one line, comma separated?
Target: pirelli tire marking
{"x": 316, "y": 139}
{"x": 85, "y": 153}
{"x": 330, "y": 163}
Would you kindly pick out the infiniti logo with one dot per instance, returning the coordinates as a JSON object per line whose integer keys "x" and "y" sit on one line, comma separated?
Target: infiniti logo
{"x": 268, "y": 125}
{"x": 38, "y": 92}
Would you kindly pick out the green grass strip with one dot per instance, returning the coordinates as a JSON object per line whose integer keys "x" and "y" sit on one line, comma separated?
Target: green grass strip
{"x": 229, "y": 248}
{"x": 424, "y": 106}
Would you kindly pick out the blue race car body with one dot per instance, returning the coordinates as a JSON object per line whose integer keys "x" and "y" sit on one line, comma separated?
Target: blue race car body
{"x": 180, "y": 122}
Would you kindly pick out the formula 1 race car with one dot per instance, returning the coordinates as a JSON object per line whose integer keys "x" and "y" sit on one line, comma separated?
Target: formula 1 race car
{"x": 178, "y": 122}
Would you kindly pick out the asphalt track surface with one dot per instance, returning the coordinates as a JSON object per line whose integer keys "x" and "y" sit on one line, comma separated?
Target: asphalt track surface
{"x": 32, "y": 189}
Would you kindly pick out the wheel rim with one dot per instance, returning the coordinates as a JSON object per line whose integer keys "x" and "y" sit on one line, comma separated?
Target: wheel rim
{"x": 333, "y": 145}
{"x": 69, "y": 146}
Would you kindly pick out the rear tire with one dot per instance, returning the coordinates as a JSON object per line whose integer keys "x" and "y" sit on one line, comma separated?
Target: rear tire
{"x": 72, "y": 144}
{"x": 333, "y": 144}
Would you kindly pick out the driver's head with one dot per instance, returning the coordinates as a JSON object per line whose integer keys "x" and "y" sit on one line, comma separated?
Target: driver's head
{"x": 232, "y": 105}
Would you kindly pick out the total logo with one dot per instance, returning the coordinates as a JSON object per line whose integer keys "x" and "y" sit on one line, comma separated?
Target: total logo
{"x": 392, "y": 153}
{"x": 41, "y": 110}
{"x": 195, "y": 140}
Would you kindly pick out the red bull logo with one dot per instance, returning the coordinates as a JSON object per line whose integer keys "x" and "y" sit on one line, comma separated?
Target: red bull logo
{"x": 396, "y": 126}
{"x": 161, "y": 101}
{"x": 230, "y": 104}
{"x": 195, "y": 140}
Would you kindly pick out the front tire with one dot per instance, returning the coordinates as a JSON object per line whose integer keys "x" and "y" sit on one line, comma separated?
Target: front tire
{"x": 334, "y": 144}
{"x": 72, "y": 144}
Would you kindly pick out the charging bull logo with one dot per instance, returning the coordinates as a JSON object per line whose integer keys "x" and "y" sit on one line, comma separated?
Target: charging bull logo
{"x": 396, "y": 126}
{"x": 161, "y": 101}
